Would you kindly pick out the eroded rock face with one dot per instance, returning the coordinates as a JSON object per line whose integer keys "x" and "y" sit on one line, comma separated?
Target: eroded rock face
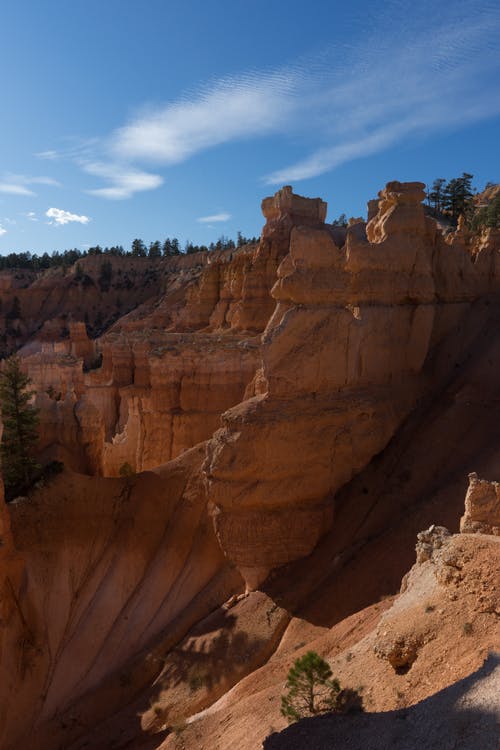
{"x": 111, "y": 570}
{"x": 482, "y": 507}
{"x": 342, "y": 358}
{"x": 148, "y": 401}
{"x": 106, "y": 575}
{"x": 141, "y": 395}
{"x": 400, "y": 209}
{"x": 441, "y": 573}
{"x": 81, "y": 293}
{"x": 349, "y": 319}
{"x": 430, "y": 541}
{"x": 286, "y": 204}
{"x": 157, "y": 382}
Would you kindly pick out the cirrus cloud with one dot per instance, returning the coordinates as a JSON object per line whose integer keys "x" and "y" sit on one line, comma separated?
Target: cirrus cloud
{"x": 18, "y": 184}
{"x": 124, "y": 181}
{"x": 60, "y": 217}
{"x": 232, "y": 108}
{"x": 214, "y": 218}
{"x": 401, "y": 80}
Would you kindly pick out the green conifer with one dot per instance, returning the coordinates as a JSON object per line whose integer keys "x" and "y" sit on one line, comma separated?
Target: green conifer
{"x": 311, "y": 690}
{"x": 20, "y": 428}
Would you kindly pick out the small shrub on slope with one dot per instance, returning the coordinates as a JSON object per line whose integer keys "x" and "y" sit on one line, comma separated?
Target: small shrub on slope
{"x": 311, "y": 690}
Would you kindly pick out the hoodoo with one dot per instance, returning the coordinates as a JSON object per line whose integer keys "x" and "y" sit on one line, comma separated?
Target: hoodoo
{"x": 252, "y": 440}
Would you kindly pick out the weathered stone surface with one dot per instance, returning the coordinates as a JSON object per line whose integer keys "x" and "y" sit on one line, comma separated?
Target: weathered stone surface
{"x": 400, "y": 209}
{"x": 76, "y": 294}
{"x": 482, "y": 507}
{"x": 254, "y": 538}
{"x": 300, "y": 210}
{"x": 429, "y": 541}
{"x": 107, "y": 575}
{"x": 149, "y": 401}
{"x": 111, "y": 569}
{"x": 157, "y": 382}
{"x": 230, "y": 643}
{"x": 342, "y": 358}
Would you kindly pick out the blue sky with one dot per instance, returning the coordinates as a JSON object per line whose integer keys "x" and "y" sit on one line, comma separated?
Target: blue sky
{"x": 163, "y": 118}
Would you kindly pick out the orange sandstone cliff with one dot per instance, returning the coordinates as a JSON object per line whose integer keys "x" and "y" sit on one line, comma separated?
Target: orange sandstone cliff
{"x": 291, "y": 415}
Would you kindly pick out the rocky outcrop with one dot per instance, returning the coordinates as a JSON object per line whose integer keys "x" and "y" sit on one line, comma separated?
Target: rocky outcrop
{"x": 411, "y": 660}
{"x": 139, "y": 398}
{"x": 315, "y": 347}
{"x": 286, "y": 205}
{"x": 157, "y": 382}
{"x": 343, "y": 359}
{"x": 95, "y": 290}
{"x": 482, "y": 507}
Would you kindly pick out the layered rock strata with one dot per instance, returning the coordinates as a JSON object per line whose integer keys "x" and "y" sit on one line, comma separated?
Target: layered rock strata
{"x": 156, "y": 383}
{"x": 343, "y": 359}
{"x": 100, "y": 573}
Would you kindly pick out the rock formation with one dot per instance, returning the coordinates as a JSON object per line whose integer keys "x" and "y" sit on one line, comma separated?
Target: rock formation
{"x": 482, "y": 507}
{"x": 421, "y": 662}
{"x": 113, "y": 572}
{"x": 342, "y": 364}
{"x": 247, "y": 425}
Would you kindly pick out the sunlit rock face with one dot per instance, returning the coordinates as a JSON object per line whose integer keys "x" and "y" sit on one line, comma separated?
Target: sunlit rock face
{"x": 342, "y": 363}
{"x": 156, "y": 383}
{"x": 482, "y": 507}
{"x": 296, "y": 361}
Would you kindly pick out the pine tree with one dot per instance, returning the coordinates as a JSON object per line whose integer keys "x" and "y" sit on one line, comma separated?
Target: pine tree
{"x": 457, "y": 198}
{"x": 311, "y": 690}
{"x": 20, "y": 428}
{"x": 175, "y": 245}
{"x": 154, "y": 250}
{"x": 341, "y": 221}
{"x": 436, "y": 194}
{"x": 487, "y": 216}
{"x": 138, "y": 248}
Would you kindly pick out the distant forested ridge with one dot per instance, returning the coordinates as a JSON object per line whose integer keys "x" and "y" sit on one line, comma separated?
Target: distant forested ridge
{"x": 446, "y": 201}
{"x": 138, "y": 248}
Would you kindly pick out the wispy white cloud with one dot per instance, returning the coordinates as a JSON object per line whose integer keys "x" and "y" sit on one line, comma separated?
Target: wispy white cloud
{"x": 124, "y": 181}
{"x": 72, "y": 148}
{"x": 60, "y": 217}
{"x": 214, "y": 218}
{"x": 30, "y": 215}
{"x": 50, "y": 155}
{"x": 2, "y": 230}
{"x": 233, "y": 108}
{"x": 12, "y": 189}
{"x": 413, "y": 82}
{"x": 403, "y": 78}
{"x": 42, "y": 181}
{"x": 18, "y": 184}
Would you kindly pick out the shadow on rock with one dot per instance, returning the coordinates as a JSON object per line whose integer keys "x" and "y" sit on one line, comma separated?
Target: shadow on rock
{"x": 461, "y": 717}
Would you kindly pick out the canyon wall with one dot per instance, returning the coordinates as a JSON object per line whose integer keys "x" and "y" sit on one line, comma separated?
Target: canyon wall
{"x": 102, "y": 576}
{"x": 296, "y": 361}
{"x": 343, "y": 363}
{"x": 157, "y": 381}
